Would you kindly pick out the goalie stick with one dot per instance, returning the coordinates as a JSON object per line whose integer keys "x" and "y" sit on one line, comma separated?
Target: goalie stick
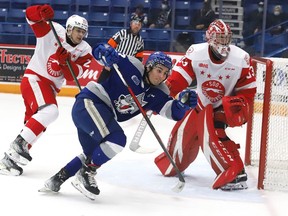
{"x": 135, "y": 142}
{"x": 180, "y": 185}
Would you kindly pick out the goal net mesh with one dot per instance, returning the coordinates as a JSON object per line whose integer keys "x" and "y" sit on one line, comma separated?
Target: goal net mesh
{"x": 276, "y": 136}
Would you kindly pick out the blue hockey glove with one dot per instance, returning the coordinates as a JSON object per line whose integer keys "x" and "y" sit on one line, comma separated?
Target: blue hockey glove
{"x": 187, "y": 99}
{"x": 104, "y": 50}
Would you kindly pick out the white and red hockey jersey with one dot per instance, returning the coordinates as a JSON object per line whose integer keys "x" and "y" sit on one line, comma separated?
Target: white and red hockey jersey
{"x": 43, "y": 64}
{"x": 233, "y": 76}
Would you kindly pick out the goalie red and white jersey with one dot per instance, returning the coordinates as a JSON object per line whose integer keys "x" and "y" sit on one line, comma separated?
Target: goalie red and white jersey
{"x": 44, "y": 63}
{"x": 214, "y": 80}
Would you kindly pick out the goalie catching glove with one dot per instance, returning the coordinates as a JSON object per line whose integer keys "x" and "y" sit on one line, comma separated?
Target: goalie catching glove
{"x": 236, "y": 109}
{"x": 187, "y": 99}
{"x": 109, "y": 53}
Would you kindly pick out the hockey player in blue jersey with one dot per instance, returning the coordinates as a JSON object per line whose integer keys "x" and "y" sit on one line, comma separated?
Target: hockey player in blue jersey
{"x": 99, "y": 107}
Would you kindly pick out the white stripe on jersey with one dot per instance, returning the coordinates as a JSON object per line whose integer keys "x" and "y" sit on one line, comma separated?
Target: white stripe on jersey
{"x": 96, "y": 117}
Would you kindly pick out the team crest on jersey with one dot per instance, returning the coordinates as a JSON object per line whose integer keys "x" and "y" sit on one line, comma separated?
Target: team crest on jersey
{"x": 213, "y": 90}
{"x": 53, "y": 67}
{"x": 126, "y": 104}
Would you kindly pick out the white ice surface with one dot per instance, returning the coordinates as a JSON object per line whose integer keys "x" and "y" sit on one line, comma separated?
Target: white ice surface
{"x": 130, "y": 184}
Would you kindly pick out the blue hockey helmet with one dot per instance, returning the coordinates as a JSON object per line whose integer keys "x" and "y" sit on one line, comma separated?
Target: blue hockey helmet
{"x": 159, "y": 58}
{"x": 155, "y": 59}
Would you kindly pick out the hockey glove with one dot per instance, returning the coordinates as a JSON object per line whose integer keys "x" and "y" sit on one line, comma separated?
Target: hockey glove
{"x": 62, "y": 56}
{"x": 236, "y": 109}
{"x": 46, "y": 12}
{"x": 187, "y": 99}
{"x": 110, "y": 54}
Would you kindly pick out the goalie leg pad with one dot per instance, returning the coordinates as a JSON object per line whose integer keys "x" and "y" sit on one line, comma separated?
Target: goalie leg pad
{"x": 183, "y": 146}
{"x": 223, "y": 156}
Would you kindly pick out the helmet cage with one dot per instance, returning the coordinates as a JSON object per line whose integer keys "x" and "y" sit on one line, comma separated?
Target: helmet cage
{"x": 76, "y": 21}
{"x": 219, "y": 37}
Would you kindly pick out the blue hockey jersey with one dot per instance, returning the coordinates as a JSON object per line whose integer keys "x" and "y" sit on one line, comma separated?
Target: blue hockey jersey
{"x": 115, "y": 94}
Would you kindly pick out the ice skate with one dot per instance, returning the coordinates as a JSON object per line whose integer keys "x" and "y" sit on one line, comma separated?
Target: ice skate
{"x": 9, "y": 167}
{"x": 53, "y": 184}
{"x": 85, "y": 181}
{"x": 237, "y": 184}
{"x": 19, "y": 152}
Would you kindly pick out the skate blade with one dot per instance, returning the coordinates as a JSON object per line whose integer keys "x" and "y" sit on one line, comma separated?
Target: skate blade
{"x": 76, "y": 184}
{"x": 9, "y": 172}
{"x": 235, "y": 187}
{"x": 46, "y": 190}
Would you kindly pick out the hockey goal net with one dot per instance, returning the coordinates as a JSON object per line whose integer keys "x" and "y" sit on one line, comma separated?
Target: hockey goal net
{"x": 267, "y": 132}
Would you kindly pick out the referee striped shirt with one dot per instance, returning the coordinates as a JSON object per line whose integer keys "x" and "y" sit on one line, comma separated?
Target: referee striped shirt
{"x": 127, "y": 43}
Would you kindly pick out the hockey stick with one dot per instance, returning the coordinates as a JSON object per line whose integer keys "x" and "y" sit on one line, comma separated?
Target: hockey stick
{"x": 179, "y": 187}
{"x": 67, "y": 61}
{"x": 134, "y": 145}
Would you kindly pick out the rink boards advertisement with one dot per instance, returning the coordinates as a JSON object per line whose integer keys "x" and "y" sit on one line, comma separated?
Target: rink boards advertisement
{"x": 13, "y": 62}
{"x": 15, "y": 58}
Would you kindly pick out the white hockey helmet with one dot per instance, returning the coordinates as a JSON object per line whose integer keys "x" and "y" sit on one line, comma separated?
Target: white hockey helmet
{"x": 219, "y": 36}
{"x": 76, "y": 21}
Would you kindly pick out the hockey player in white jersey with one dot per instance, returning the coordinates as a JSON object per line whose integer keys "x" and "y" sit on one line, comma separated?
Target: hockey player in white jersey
{"x": 226, "y": 87}
{"x": 43, "y": 78}
{"x": 100, "y": 106}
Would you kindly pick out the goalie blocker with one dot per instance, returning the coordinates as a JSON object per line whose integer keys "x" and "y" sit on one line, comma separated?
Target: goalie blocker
{"x": 206, "y": 129}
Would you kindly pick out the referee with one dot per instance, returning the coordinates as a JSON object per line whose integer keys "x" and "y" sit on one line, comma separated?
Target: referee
{"x": 128, "y": 42}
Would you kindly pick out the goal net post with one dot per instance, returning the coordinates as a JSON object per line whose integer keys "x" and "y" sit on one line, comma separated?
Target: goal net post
{"x": 267, "y": 129}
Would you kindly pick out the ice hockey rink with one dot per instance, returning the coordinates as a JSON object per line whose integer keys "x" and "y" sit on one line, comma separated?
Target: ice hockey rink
{"x": 130, "y": 183}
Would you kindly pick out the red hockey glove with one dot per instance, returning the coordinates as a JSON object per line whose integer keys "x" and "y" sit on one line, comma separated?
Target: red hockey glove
{"x": 62, "y": 56}
{"x": 46, "y": 12}
{"x": 236, "y": 109}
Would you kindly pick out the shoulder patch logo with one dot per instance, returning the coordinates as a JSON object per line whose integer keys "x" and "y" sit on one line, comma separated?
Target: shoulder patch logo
{"x": 135, "y": 80}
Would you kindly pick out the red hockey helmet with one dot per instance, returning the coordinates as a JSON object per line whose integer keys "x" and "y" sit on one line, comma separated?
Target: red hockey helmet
{"x": 219, "y": 36}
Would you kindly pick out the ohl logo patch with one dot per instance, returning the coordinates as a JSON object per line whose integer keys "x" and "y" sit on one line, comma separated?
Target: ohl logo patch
{"x": 53, "y": 67}
{"x": 213, "y": 90}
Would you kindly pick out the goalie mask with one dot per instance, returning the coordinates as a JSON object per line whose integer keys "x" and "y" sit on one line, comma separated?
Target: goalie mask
{"x": 219, "y": 36}
{"x": 155, "y": 59}
{"x": 76, "y": 21}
